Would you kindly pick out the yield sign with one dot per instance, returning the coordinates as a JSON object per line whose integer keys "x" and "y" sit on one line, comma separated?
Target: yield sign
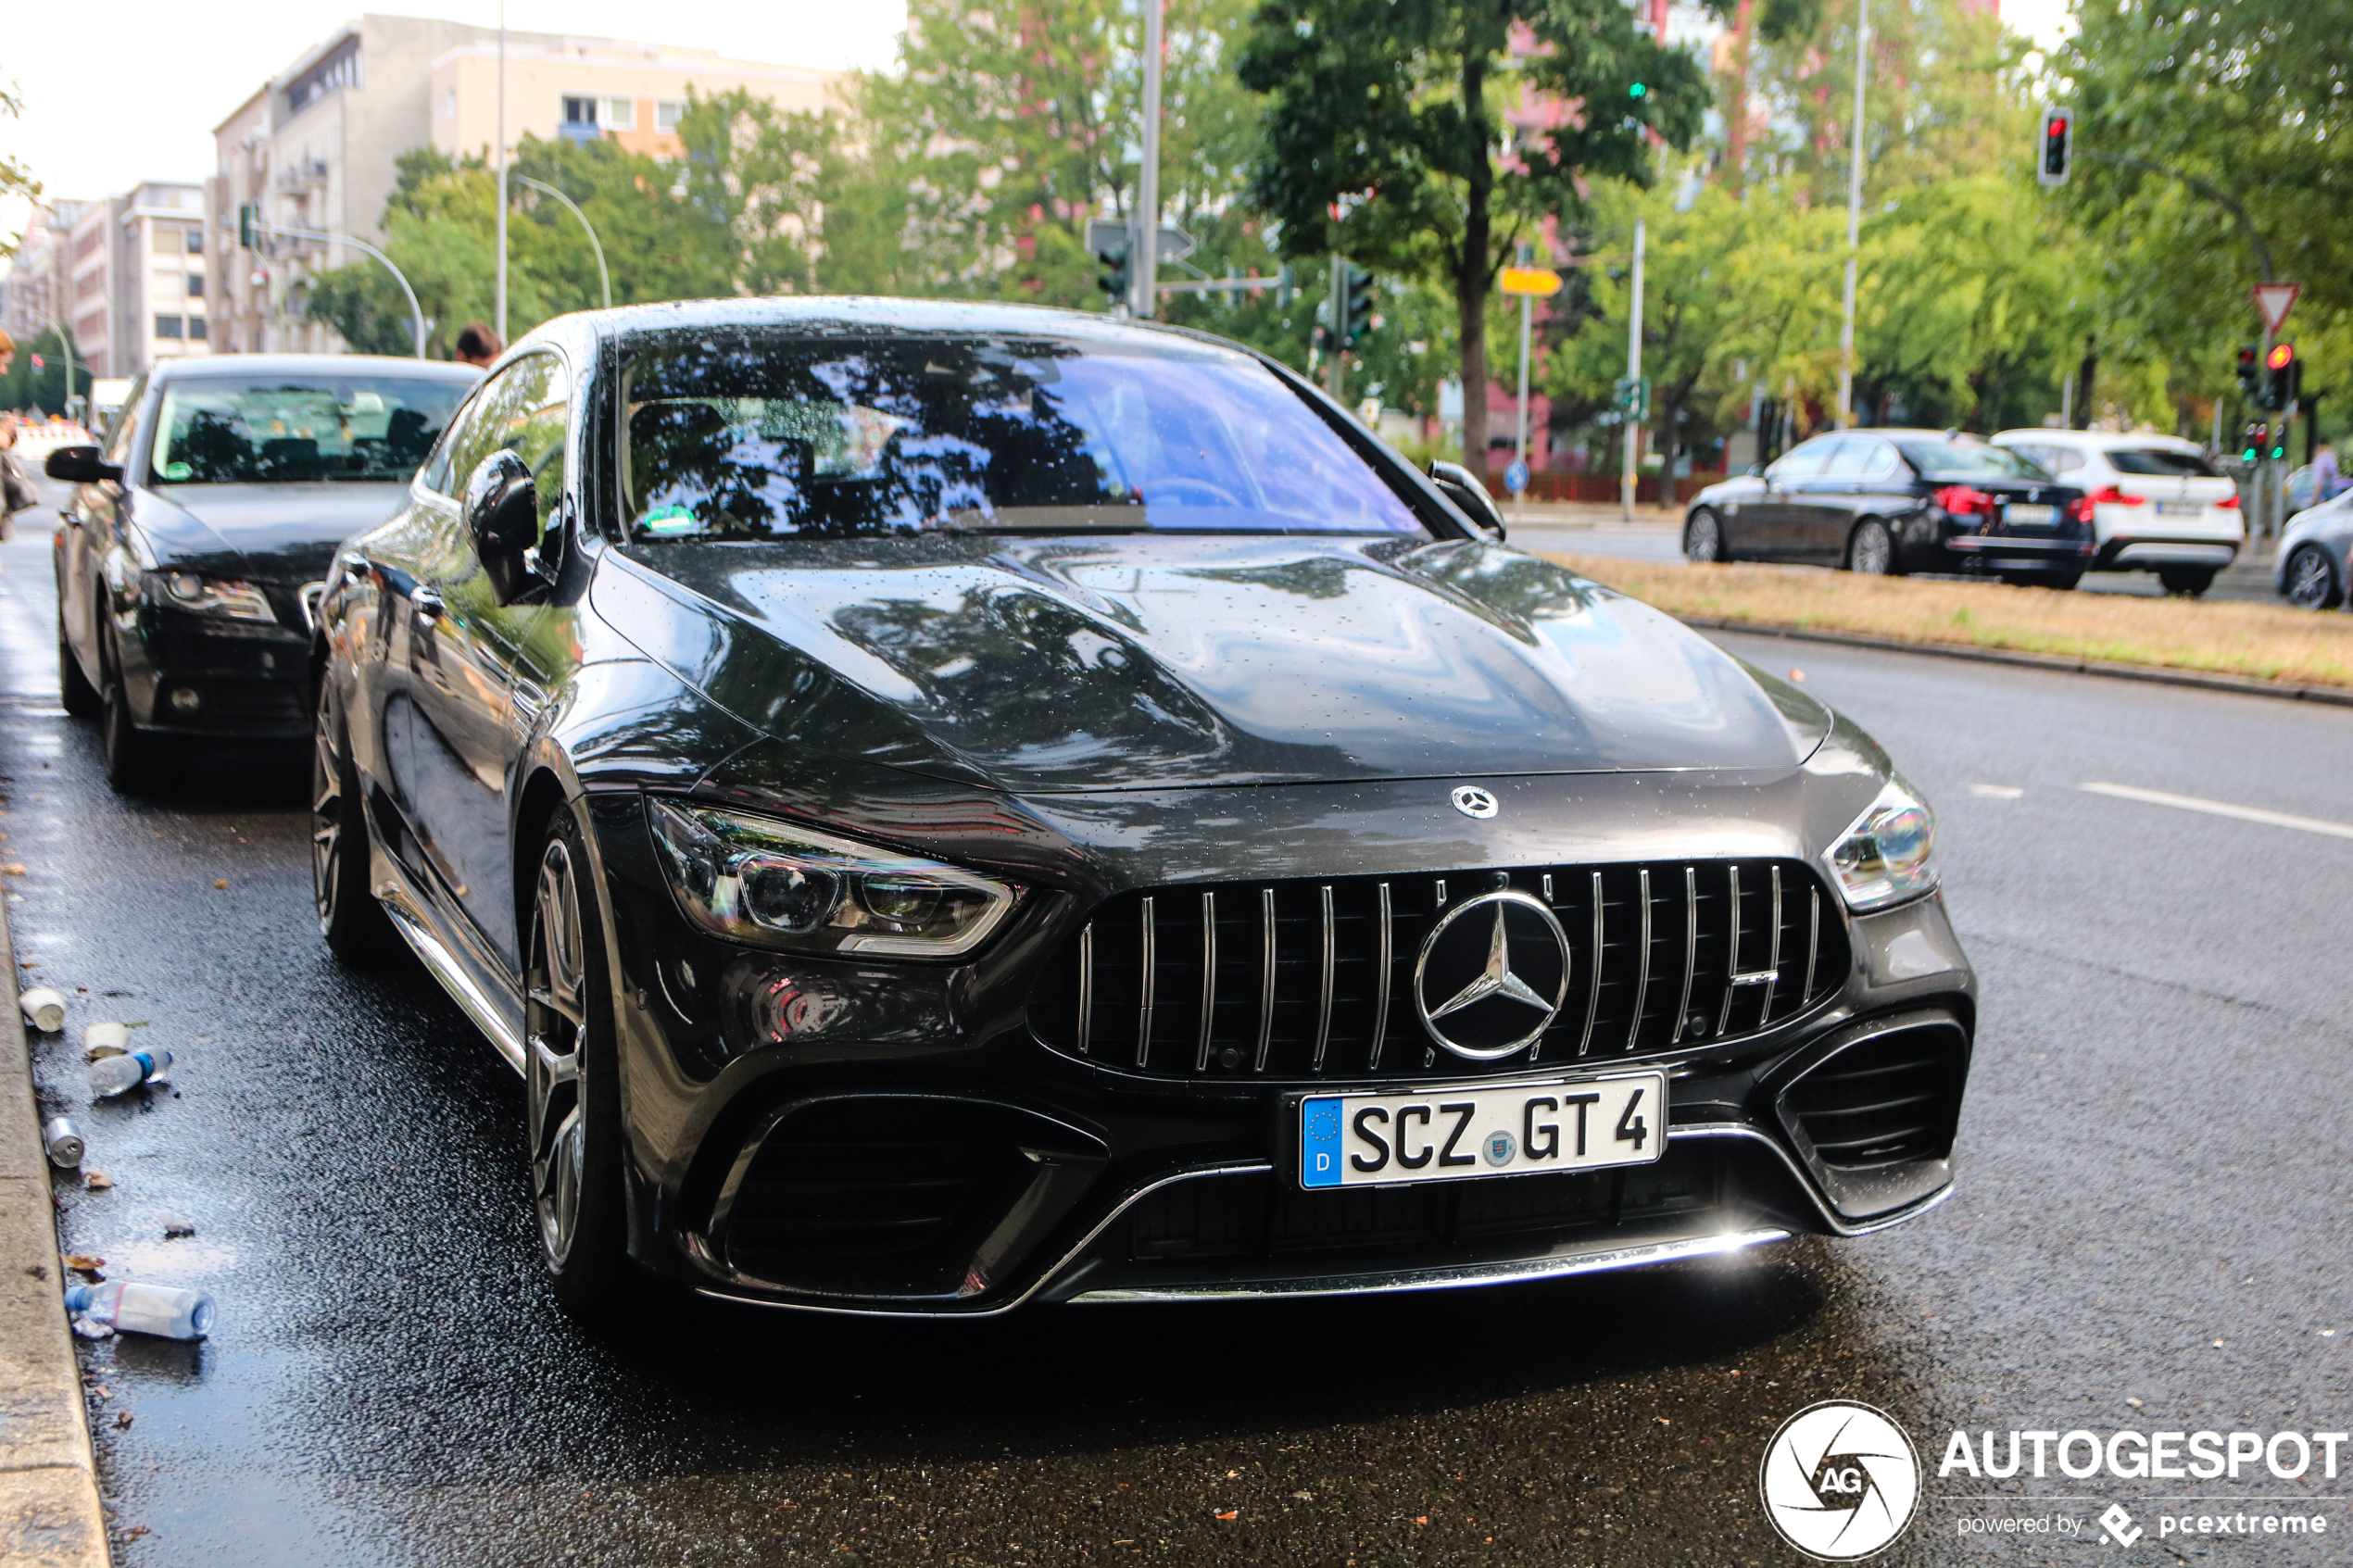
{"x": 2274, "y": 300}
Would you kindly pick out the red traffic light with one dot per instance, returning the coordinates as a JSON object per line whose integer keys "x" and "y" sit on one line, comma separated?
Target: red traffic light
{"x": 2282, "y": 356}
{"x": 2056, "y": 127}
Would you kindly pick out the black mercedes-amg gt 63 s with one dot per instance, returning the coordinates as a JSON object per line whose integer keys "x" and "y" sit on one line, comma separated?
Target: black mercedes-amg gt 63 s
{"x": 951, "y": 806}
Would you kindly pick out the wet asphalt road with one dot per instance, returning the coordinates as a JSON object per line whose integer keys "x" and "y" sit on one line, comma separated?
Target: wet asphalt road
{"x": 2154, "y": 1207}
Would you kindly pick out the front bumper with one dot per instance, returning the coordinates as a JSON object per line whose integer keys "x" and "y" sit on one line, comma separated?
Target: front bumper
{"x": 206, "y": 677}
{"x": 817, "y": 1136}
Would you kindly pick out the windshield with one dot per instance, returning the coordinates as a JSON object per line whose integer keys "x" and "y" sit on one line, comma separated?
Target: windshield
{"x": 280, "y": 429}
{"x": 1967, "y": 459}
{"x": 837, "y": 437}
{"x": 2160, "y": 461}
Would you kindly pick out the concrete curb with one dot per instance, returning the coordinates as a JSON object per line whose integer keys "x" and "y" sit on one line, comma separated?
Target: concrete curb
{"x": 2243, "y": 685}
{"x": 49, "y": 1511}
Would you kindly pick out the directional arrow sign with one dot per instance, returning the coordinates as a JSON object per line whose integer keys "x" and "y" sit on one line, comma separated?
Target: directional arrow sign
{"x": 2275, "y": 300}
{"x": 1536, "y": 281}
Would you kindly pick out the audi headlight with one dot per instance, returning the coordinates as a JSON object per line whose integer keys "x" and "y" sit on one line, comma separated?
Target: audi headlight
{"x": 1888, "y": 854}
{"x": 778, "y": 885}
{"x": 210, "y": 596}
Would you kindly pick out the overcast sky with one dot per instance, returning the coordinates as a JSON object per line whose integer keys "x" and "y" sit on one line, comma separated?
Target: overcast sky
{"x": 129, "y": 90}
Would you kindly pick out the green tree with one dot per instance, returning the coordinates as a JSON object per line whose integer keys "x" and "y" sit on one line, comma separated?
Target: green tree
{"x": 1428, "y": 139}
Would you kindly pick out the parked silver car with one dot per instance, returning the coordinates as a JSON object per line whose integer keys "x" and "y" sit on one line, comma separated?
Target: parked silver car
{"x": 2312, "y": 571}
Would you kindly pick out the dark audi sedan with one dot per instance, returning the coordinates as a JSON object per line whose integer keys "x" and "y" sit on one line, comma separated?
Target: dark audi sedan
{"x": 191, "y": 559}
{"x": 950, "y": 806}
{"x": 1882, "y": 501}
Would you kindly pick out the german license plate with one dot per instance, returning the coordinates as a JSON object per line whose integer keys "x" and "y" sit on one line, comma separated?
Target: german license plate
{"x": 1451, "y": 1134}
{"x": 2033, "y": 516}
{"x": 2180, "y": 509}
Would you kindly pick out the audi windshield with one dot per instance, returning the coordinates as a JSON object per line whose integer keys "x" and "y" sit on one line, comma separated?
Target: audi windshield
{"x": 277, "y": 429}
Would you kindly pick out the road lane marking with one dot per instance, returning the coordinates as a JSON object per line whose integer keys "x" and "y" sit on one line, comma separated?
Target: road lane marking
{"x": 2222, "y": 808}
{"x": 1995, "y": 792}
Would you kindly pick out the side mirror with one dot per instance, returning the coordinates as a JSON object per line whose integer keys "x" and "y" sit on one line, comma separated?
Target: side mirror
{"x": 1456, "y": 484}
{"x": 502, "y": 518}
{"x": 80, "y": 465}
{"x": 1754, "y": 471}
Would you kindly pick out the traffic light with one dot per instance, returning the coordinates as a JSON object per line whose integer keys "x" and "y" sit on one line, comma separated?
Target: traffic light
{"x": 2251, "y": 374}
{"x": 1356, "y": 305}
{"x": 248, "y": 215}
{"x": 1113, "y": 279}
{"x": 2059, "y": 146}
{"x": 2281, "y": 374}
{"x": 2255, "y": 441}
{"x": 1639, "y": 90}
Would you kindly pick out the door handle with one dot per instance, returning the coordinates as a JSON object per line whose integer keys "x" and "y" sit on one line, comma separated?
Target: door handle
{"x": 427, "y": 603}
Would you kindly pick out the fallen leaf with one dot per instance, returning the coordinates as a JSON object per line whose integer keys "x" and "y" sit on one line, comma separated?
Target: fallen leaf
{"x": 1423, "y": 1519}
{"x": 220, "y": 885}
{"x": 85, "y": 1263}
{"x": 1229, "y": 1513}
{"x": 136, "y": 1531}
{"x": 98, "y": 1181}
{"x": 13, "y": 869}
{"x": 1305, "y": 1496}
{"x": 1661, "y": 1421}
{"x": 121, "y": 1419}
{"x": 2134, "y": 1403}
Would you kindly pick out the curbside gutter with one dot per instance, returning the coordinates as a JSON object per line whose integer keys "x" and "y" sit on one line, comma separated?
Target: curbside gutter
{"x": 49, "y": 1511}
{"x": 2243, "y": 685}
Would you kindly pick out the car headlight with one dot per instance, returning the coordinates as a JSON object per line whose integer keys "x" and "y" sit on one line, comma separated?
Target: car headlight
{"x": 1888, "y": 854}
{"x": 210, "y": 596}
{"x": 778, "y": 885}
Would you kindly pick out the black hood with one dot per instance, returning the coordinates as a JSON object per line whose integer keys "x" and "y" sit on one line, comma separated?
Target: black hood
{"x": 270, "y": 532}
{"x": 1138, "y": 661}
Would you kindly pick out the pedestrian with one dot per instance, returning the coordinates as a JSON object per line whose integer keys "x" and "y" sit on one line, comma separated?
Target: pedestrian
{"x": 2328, "y": 483}
{"x": 478, "y": 344}
{"x": 16, "y": 493}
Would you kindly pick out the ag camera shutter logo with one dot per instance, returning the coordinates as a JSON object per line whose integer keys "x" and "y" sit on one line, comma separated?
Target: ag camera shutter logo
{"x": 1839, "y": 1481}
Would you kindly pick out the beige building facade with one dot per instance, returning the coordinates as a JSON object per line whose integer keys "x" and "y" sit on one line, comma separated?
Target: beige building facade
{"x": 316, "y": 149}
{"x": 126, "y": 275}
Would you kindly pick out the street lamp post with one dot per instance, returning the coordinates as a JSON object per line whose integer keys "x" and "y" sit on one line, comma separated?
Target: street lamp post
{"x": 603, "y": 277}
{"x": 416, "y": 312}
{"x": 1854, "y": 224}
{"x": 1145, "y": 248}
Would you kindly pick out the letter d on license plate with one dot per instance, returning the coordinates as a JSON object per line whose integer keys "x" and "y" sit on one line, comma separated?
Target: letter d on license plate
{"x": 1449, "y": 1134}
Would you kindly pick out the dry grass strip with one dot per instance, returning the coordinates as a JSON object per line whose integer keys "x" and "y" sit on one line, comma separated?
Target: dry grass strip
{"x": 2263, "y": 642}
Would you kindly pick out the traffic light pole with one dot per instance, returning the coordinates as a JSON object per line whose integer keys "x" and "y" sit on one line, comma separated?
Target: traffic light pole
{"x": 1144, "y": 279}
{"x": 1333, "y": 376}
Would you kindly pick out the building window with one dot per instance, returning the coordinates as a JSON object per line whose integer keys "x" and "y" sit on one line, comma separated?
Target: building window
{"x": 196, "y": 327}
{"x": 167, "y": 326}
{"x": 621, "y": 114}
{"x": 195, "y": 242}
{"x": 195, "y": 285}
{"x": 668, "y": 112}
{"x": 580, "y": 111}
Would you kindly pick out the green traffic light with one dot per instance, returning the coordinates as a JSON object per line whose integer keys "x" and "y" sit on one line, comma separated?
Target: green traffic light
{"x": 1638, "y": 90}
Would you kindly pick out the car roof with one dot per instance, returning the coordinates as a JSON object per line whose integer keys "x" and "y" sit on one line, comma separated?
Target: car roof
{"x": 2103, "y": 440}
{"x": 310, "y": 365}
{"x": 852, "y": 314}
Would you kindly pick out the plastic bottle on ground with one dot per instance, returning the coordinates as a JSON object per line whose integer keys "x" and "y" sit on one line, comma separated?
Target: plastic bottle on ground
{"x": 128, "y": 1307}
{"x": 111, "y": 1076}
{"x": 61, "y": 1141}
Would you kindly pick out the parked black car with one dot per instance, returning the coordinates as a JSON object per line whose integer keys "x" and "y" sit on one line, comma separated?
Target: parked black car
{"x": 954, "y": 806}
{"x": 197, "y": 541}
{"x": 1895, "y": 501}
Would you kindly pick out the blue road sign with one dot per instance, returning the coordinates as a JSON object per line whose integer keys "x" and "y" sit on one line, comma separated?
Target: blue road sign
{"x": 1515, "y": 476}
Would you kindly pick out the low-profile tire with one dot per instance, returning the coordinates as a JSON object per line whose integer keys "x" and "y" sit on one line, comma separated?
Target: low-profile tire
{"x": 2186, "y": 581}
{"x": 1703, "y": 539}
{"x": 2310, "y": 581}
{"x": 1870, "y": 549}
{"x": 131, "y": 754}
{"x": 352, "y": 922}
{"x": 80, "y": 698}
{"x": 572, "y": 1084}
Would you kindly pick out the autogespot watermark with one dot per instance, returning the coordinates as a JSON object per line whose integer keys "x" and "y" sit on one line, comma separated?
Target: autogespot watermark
{"x": 1841, "y": 1481}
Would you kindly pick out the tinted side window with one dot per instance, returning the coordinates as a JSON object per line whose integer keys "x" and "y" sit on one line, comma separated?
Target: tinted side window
{"x": 525, "y": 410}
{"x": 2161, "y": 462}
{"x": 1850, "y": 459}
{"x": 118, "y": 438}
{"x": 1803, "y": 463}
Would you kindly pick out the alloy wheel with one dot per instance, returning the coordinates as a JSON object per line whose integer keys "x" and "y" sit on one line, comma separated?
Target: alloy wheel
{"x": 1704, "y": 540}
{"x": 555, "y": 1020}
{"x": 2310, "y": 584}
{"x": 326, "y": 819}
{"x": 1872, "y": 552}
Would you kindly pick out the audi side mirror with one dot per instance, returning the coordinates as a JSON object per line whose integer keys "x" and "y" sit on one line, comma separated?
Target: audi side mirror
{"x": 80, "y": 465}
{"x": 1456, "y": 484}
{"x": 1754, "y": 471}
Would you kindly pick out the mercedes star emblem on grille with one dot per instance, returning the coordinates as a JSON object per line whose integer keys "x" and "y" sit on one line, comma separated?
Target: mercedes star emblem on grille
{"x": 1497, "y": 978}
{"x": 1473, "y": 801}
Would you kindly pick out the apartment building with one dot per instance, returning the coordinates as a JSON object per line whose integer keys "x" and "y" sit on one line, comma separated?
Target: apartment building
{"x": 316, "y": 148}
{"x": 127, "y": 276}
